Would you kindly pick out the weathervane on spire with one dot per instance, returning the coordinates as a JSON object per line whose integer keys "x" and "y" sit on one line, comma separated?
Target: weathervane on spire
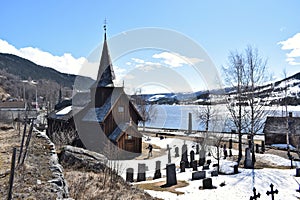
{"x": 104, "y": 27}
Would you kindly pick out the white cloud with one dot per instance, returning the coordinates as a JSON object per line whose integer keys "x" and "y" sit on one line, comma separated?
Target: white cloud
{"x": 292, "y": 44}
{"x": 176, "y": 60}
{"x": 65, "y": 63}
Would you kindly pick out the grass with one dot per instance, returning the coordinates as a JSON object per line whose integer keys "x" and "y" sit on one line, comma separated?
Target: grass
{"x": 159, "y": 186}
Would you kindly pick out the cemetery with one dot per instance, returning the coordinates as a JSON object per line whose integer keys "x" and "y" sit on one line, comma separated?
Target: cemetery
{"x": 186, "y": 171}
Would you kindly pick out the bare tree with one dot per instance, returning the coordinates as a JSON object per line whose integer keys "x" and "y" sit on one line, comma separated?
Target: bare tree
{"x": 235, "y": 77}
{"x": 245, "y": 73}
{"x": 255, "y": 68}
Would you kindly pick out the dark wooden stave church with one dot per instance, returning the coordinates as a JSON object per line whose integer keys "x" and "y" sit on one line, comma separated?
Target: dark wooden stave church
{"x": 109, "y": 117}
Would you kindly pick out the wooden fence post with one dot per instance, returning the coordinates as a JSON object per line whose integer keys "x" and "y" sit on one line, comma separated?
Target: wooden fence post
{"x": 12, "y": 173}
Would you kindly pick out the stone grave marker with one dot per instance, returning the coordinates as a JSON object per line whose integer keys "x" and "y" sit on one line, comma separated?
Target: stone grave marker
{"x": 157, "y": 173}
{"x": 256, "y": 148}
{"x": 198, "y": 175}
{"x": 208, "y": 161}
{"x": 171, "y": 174}
{"x": 205, "y": 167}
{"x": 297, "y": 172}
{"x": 195, "y": 165}
{"x": 248, "y": 161}
{"x": 129, "y": 175}
{"x": 207, "y": 183}
{"x": 263, "y": 148}
{"x": 214, "y": 173}
{"x": 182, "y": 166}
{"x": 235, "y": 169}
{"x": 197, "y": 148}
{"x": 184, "y": 156}
{"x": 192, "y": 157}
{"x": 176, "y": 152}
{"x": 141, "y": 172}
{"x": 169, "y": 153}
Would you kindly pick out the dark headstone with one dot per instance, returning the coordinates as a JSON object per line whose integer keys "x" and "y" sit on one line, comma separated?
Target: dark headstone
{"x": 225, "y": 153}
{"x": 230, "y": 144}
{"x": 201, "y": 161}
{"x": 195, "y": 165}
{"x": 171, "y": 175}
{"x": 215, "y": 165}
{"x": 184, "y": 156}
{"x": 141, "y": 172}
{"x": 208, "y": 161}
{"x": 205, "y": 167}
{"x": 263, "y": 146}
{"x": 207, "y": 183}
{"x": 197, "y": 148}
{"x": 176, "y": 152}
{"x": 192, "y": 157}
{"x": 248, "y": 162}
{"x": 214, "y": 173}
{"x": 198, "y": 175}
{"x": 182, "y": 166}
{"x": 297, "y": 172}
{"x": 235, "y": 169}
{"x": 157, "y": 173}
{"x": 257, "y": 148}
{"x": 169, "y": 154}
{"x": 129, "y": 175}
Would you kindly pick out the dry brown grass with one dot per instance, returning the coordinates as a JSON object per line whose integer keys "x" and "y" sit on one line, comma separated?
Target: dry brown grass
{"x": 92, "y": 186}
{"x": 160, "y": 186}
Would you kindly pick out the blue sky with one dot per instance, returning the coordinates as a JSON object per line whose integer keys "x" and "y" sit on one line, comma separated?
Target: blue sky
{"x": 65, "y": 31}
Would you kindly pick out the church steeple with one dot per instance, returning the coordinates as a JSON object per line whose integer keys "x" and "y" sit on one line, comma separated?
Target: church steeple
{"x": 106, "y": 73}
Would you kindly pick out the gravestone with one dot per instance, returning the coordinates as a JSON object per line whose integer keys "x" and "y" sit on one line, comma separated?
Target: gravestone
{"x": 205, "y": 167}
{"x": 207, "y": 183}
{"x": 201, "y": 161}
{"x": 248, "y": 161}
{"x": 169, "y": 153}
{"x": 182, "y": 166}
{"x": 297, "y": 172}
{"x": 184, "y": 156}
{"x": 192, "y": 157}
{"x": 176, "y": 152}
{"x": 272, "y": 192}
{"x": 230, "y": 144}
{"x": 208, "y": 161}
{"x": 129, "y": 175}
{"x": 263, "y": 149}
{"x": 141, "y": 172}
{"x": 214, "y": 173}
{"x": 257, "y": 148}
{"x": 157, "y": 173}
{"x": 195, "y": 165}
{"x": 197, "y": 148}
{"x": 198, "y": 175}
{"x": 225, "y": 153}
{"x": 171, "y": 174}
{"x": 235, "y": 169}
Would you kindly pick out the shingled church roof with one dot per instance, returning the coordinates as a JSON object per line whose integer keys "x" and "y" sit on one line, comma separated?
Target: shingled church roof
{"x": 106, "y": 73}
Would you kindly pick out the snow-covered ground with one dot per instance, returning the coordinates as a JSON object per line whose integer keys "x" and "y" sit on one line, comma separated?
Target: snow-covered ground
{"x": 238, "y": 186}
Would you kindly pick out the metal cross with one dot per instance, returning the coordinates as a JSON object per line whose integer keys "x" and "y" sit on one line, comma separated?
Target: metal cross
{"x": 272, "y": 192}
{"x": 255, "y": 196}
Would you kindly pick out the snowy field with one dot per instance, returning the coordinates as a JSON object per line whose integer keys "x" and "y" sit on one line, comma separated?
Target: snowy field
{"x": 237, "y": 187}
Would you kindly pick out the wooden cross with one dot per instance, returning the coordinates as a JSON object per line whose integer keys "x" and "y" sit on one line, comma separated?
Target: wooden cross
{"x": 272, "y": 192}
{"x": 255, "y": 196}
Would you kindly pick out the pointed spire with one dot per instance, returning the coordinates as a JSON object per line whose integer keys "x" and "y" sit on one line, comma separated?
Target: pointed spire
{"x": 106, "y": 73}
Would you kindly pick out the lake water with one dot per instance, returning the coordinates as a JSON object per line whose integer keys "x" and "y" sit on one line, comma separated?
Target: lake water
{"x": 176, "y": 117}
